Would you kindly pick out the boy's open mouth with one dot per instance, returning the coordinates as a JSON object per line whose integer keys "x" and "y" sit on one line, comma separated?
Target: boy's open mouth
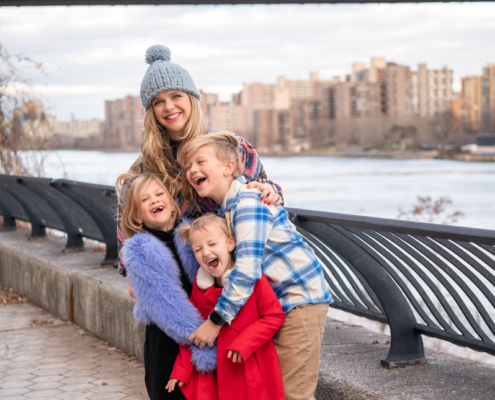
{"x": 212, "y": 263}
{"x": 157, "y": 210}
{"x": 198, "y": 182}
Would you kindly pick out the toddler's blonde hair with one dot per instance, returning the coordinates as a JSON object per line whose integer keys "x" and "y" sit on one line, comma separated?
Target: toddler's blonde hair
{"x": 202, "y": 223}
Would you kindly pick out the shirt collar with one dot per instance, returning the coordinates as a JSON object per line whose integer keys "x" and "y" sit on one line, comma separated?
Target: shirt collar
{"x": 230, "y": 199}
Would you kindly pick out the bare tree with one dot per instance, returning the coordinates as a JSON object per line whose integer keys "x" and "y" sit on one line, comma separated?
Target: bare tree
{"x": 25, "y": 129}
{"x": 429, "y": 210}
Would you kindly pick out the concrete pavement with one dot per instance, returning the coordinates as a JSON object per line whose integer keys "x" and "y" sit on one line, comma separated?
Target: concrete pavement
{"x": 42, "y": 357}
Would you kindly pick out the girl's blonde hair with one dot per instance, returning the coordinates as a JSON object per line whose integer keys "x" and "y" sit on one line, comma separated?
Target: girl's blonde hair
{"x": 156, "y": 153}
{"x": 129, "y": 187}
{"x": 201, "y": 223}
{"x": 226, "y": 148}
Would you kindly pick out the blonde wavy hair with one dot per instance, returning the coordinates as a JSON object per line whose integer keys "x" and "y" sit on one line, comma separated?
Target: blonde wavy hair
{"x": 226, "y": 148}
{"x": 129, "y": 187}
{"x": 202, "y": 223}
{"x": 156, "y": 153}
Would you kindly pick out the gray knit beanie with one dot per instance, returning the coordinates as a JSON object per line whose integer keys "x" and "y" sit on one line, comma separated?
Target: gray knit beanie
{"x": 164, "y": 75}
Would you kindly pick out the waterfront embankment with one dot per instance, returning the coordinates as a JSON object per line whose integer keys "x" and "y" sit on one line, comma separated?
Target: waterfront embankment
{"x": 74, "y": 287}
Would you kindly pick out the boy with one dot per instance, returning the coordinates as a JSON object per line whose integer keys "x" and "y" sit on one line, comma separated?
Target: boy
{"x": 268, "y": 243}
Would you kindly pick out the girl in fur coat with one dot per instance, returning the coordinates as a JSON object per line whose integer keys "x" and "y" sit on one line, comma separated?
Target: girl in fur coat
{"x": 247, "y": 362}
{"x": 162, "y": 271}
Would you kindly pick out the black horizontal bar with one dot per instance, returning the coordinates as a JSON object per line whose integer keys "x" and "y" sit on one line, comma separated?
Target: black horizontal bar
{"x": 480, "y": 236}
{"x": 199, "y": 2}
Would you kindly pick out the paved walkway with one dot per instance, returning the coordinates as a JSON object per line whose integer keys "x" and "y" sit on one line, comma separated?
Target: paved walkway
{"x": 42, "y": 357}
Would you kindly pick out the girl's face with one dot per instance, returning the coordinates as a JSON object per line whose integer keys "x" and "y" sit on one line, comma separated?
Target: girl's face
{"x": 212, "y": 249}
{"x": 155, "y": 208}
{"x": 172, "y": 110}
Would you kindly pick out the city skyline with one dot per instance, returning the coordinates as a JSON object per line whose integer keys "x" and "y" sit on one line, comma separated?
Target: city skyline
{"x": 97, "y": 53}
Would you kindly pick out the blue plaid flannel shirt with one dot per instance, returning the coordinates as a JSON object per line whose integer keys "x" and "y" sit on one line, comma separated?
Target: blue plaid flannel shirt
{"x": 267, "y": 242}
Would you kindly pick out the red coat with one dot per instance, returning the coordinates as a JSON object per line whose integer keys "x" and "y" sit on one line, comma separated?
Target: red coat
{"x": 258, "y": 376}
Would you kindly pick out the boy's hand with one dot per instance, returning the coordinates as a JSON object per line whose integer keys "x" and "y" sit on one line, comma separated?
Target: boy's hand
{"x": 171, "y": 385}
{"x": 236, "y": 357}
{"x": 268, "y": 194}
{"x": 205, "y": 334}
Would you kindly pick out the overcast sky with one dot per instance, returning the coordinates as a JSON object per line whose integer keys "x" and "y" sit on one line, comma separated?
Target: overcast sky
{"x": 95, "y": 53}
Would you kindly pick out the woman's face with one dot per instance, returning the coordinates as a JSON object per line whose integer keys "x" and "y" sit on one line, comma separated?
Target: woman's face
{"x": 172, "y": 109}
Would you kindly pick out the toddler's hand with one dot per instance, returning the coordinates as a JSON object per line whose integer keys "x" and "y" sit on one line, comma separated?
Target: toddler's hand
{"x": 236, "y": 357}
{"x": 171, "y": 385}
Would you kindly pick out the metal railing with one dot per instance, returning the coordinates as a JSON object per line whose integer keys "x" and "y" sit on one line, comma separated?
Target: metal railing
{"x": 421, "y": 279}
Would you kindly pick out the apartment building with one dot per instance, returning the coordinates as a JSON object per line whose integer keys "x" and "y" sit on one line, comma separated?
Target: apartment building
{"x": 124, "y": 122}
{"x": 488, "y": 98}
{"x": 471, "y": 103}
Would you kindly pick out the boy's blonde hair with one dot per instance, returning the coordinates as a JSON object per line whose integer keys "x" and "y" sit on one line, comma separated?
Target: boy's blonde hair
{"x": 156, "y": 153}
{"x": 129, "y": 187}
{"x": 226, "y": 148}
{"x": 201, "y": 223}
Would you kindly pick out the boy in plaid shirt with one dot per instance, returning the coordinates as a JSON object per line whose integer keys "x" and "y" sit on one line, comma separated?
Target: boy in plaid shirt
{"x": 268, "y": 243}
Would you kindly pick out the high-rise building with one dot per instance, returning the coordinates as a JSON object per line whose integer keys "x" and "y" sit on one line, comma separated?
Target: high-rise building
{"x": 488, "y": 98}
{"x": 229, "y": 116}
{"x": 431, "y": 90}
{"x": 398, "y": 93}
{"x": 471, "y": 103}
{"x": 124, "y": 122}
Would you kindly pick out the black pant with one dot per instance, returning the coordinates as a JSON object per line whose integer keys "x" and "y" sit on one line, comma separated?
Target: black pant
{"x": 160, "y": 352}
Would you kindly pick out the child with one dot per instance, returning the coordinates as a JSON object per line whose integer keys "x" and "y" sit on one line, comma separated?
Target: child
{"x": 161, "y": 271}
{"x": 267, "y": 243}
{"x": 247, "y": 362}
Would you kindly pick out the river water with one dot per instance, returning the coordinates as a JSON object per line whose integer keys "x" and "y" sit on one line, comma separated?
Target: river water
{"x": 363, "y": 186}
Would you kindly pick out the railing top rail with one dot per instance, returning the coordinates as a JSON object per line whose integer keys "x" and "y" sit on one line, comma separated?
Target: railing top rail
{"x": 483, "y": 236}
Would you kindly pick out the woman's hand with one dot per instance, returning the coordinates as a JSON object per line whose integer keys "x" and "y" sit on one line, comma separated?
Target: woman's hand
{"x": 236, "y": 357}
{"x": 268, "y": 194}
{"x": 171, "y": 385}
{"x": 130, "y": 289}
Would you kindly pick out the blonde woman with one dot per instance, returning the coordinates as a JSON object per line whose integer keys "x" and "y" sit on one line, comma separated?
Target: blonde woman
{"x": 173, "y": 117}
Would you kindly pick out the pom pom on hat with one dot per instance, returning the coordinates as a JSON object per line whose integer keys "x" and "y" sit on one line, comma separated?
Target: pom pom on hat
{"x": 157, "y": 52}
{"x": 164, "y": 75}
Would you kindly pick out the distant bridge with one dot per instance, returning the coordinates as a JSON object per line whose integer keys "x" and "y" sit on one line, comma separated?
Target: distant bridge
{"x": 201, "y": 2}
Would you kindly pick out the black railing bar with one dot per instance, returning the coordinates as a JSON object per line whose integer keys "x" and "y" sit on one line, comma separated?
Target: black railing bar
{"x": 420, "y": 249}
{"x": 346, "y": 266}
{"x": 367, "y": 292}
{"x": 402, "y": 257}
{"x": 477, "y": 254}
{"x": 488, "y": 248}
{"x": 463, "y": 253}
{"x": 37, "y": 223}
{"x": 465, "y": 271}
{"x": 483, "y": 236}
{"x": 390, "y": 266}
{"x": 475, "y": 344}
{"x": 417, "y": 266}
{"x": 345, "y": 298}
{"x": 460, "y": 280}
{"x": 357, "y": 290}
{"x": 85, "y": 185}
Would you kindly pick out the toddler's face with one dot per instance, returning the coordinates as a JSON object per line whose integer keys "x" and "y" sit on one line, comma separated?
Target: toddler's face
{"x": 155, "y": 208}
{"x": 212, "y": 249}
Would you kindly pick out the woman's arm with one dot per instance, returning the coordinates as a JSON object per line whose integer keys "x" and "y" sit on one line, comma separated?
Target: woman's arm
{"x": 255, "y": 172}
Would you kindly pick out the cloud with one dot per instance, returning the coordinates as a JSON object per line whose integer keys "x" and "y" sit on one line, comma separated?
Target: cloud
{"x": 97, "y": 53}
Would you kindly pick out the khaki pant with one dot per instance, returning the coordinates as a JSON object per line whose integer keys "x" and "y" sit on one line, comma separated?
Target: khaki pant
{"x": 298, "y": 344}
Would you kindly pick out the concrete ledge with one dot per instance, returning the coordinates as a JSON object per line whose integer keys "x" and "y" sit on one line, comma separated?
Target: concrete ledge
{"x": 74, "y": 286}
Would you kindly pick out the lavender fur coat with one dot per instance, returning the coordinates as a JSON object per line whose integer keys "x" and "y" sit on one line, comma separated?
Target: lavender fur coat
{"x": 155, "y": 277}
